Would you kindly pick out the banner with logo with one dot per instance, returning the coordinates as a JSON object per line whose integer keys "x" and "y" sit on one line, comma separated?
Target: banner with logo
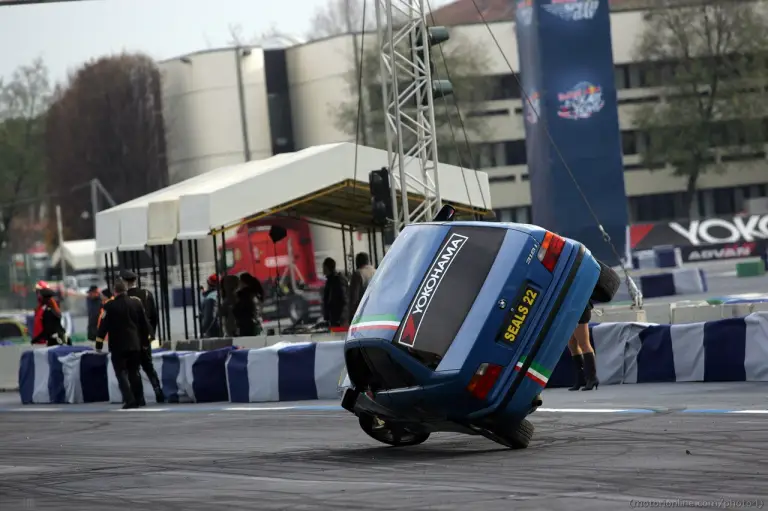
{"x": 566, "y": 64}
{"x": 709, "y": 239}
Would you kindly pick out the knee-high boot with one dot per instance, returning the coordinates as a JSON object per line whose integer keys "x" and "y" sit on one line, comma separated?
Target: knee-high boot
{"x": 590, "y": 371}
{"x": 578, "y": 369}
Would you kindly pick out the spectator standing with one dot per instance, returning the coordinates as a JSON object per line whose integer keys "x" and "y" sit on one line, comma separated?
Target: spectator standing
{"x": 209, "y": 309}
{"x": 93, "y": 302}
{"x": 246, "y": 307}
{"x": 228, "y": 289}
{"x": 126, "y": 324}
{"x": 364, "y": 272}
{"x": 148, "y": 302}
{"x": 334, "y": 294}
{"x": 37, "y": 322}
{"x": 52, "y": 333}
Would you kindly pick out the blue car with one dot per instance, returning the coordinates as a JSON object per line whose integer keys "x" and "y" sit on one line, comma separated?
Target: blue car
{"x": 462, "y": 326}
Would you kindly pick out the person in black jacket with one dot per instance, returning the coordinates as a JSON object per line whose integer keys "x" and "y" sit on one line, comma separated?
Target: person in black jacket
{"x": 148, "y": 302}
{"x": 245, "y": 308}
{"x": 126, "y": 324}
{"x": 93, "y": 301}
{"x": 53, "y": 332}
{"x": 334, "y": 294}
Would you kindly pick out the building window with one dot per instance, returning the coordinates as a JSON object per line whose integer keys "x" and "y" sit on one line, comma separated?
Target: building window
{"x": 655, "y": 208}
{"x": 504, "y": 87}
{"x": 629, "y": 142}
{"x": 515, "y": 152}
{"x": 724, "y": 201}
{"x": 621, "y": 76}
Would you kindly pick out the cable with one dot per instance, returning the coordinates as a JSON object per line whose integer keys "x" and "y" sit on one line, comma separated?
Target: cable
{"x": 606, "y": 237}
{"x": 359, "y": 97}
{"x": 40, "y": 198}
{"x": 461, "y": 121}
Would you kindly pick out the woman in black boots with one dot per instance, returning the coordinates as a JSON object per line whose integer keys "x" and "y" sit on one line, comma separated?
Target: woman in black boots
{"x": 583, "y": 355}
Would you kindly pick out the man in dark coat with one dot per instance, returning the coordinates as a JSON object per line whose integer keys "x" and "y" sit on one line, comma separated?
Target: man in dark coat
{"x": 334, "y": 294}
{"x": 148, "y": 301}
{"x": 125, "y": 322}
{"x": 93, "y": 302}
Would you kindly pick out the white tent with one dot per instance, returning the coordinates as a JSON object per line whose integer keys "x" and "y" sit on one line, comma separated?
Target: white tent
{"x": 318, "y": 182}
{"x": 80, "y": 255}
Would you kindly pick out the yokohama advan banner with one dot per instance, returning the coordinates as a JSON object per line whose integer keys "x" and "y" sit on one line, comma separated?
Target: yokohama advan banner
{"x": 707, "y": 240}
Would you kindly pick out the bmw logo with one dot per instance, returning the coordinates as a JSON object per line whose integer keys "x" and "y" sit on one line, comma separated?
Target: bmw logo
{"x": 502, "y": 304}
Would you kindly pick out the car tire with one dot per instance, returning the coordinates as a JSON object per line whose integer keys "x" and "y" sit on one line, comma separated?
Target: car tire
{"x": 515, "y": 436}
{"x": 607, "y": 284}
{"x": 396, "y": 437}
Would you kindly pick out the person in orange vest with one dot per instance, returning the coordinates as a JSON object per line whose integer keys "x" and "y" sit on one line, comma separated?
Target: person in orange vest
{"x": 53, "y": 333}
{"x": 37, "y": 322}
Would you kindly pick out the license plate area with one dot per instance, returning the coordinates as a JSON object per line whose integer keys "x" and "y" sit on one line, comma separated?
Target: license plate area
{"x": 519, "y": 314}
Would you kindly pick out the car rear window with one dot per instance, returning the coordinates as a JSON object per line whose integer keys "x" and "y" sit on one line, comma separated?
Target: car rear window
{"x": 447, "y": 291}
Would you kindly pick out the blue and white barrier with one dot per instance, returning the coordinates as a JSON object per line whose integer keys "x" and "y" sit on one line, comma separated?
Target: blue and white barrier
{"x": 205, "y": 375}
{"x": 41, "y": 376}
{"x": 85, "y": 377}
{"x": 168, "y": 367}
{"x": 677, "y": 282}
{"x": 733, "y": 349}
{"x": 285, "y": 372}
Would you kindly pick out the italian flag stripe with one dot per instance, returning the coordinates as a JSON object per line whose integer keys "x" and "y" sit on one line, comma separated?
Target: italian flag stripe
{"x": 536, "y": 372}
{"x": 380, "y": 322}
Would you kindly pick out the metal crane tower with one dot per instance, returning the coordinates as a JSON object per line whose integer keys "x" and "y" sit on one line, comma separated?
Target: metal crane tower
{"x": 409, "y": 92}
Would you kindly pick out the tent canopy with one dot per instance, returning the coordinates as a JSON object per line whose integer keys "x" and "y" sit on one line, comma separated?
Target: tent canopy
{"x": 79, "y": 255}
{"x": 327, "y": 182}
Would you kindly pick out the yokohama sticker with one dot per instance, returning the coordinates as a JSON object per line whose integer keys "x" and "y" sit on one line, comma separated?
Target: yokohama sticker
{"x": 429, "y": 287}
{"x": 716, "y": 231}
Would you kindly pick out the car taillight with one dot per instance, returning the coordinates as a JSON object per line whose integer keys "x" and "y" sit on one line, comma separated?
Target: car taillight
{"x": 483, "y": 380}
{"x": 550, "y": 250}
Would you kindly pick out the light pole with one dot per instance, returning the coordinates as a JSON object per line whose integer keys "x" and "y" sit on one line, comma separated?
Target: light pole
{"x": 241, "y": 52}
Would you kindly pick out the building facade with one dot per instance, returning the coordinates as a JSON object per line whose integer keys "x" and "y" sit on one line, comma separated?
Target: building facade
{"x": 292, "y": 96}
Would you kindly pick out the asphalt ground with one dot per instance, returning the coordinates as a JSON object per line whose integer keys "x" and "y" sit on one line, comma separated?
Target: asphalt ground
{"x": 633, "y": 446}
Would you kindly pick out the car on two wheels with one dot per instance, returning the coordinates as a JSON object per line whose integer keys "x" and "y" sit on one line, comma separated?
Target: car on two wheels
{"x": 462, "y": 326}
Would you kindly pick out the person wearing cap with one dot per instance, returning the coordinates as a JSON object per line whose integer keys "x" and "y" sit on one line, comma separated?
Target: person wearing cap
{"x": 148, "y": 302}
{"x": 126, "y": 324}
{"x": 52, "y": 332}
{"x": 209, "y": 314}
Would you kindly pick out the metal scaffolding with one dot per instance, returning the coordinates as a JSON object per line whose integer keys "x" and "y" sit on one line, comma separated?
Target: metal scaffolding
{"x": 406, "y": 85}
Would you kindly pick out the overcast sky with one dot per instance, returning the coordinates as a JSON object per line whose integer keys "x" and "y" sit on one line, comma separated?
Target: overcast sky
{"x": 69, "y": 33}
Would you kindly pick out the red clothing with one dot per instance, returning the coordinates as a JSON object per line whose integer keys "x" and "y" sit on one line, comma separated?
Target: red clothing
{"x": 37, "y": 325}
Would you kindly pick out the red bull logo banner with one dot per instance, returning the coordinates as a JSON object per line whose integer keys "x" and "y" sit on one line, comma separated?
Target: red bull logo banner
{"x": 581, "y": 102}
{"x": 566, "y": 67}
{"x": 572, "y": 10}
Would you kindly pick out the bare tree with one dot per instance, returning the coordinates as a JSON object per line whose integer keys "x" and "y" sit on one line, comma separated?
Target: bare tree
{"x": 709, "y": 64}
{"x": 24, "y": 100}
{"x": 343, "y": 17}
{"x": 464, "y": 62}
{"x": 107, "y": 123}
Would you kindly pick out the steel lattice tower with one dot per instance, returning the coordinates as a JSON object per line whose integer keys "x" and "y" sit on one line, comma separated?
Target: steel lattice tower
{"x": 407, "y": 88}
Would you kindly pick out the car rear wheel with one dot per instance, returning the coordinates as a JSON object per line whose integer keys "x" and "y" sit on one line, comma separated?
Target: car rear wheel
{"x": 607, "y": 284}
{"x": 515, "y": 436}
{"x": 386, "y": 433}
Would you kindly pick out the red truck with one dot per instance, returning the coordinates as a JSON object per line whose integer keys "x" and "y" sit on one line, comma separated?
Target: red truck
{"x": 295, "y": 261}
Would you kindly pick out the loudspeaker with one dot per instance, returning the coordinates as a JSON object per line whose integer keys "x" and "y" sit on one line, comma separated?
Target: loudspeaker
{"x": 277, "y": 233}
